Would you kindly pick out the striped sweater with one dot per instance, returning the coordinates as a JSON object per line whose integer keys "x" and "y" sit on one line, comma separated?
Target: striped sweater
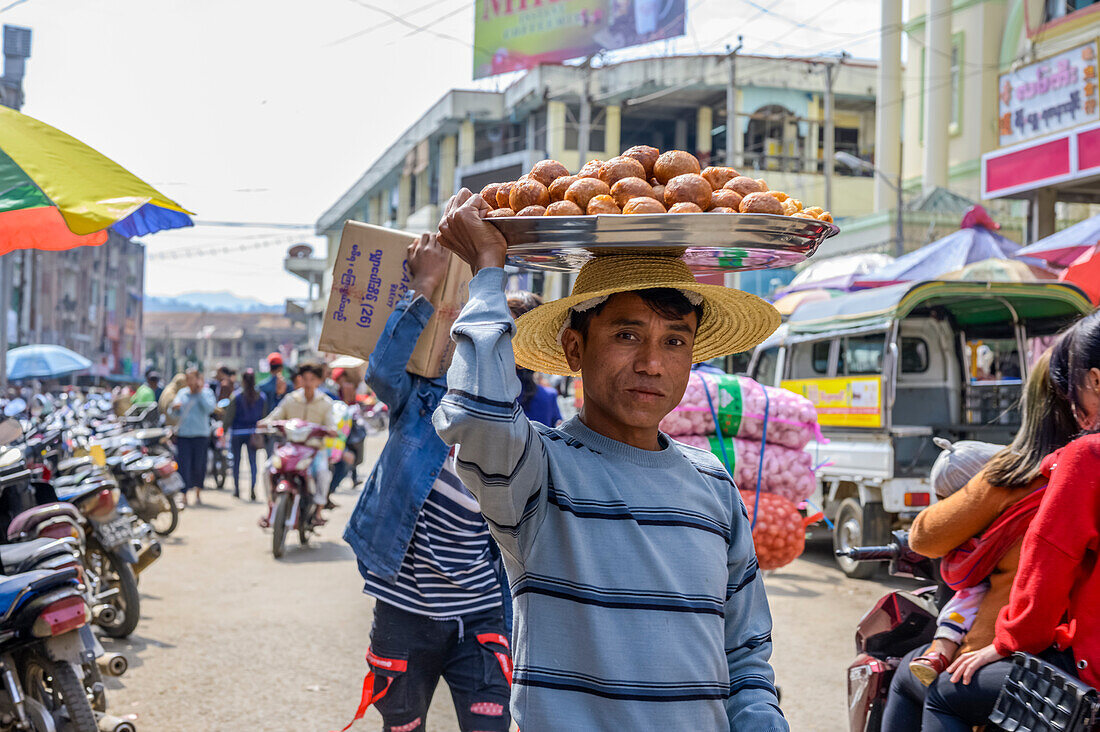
{"x": 634, "y": 581}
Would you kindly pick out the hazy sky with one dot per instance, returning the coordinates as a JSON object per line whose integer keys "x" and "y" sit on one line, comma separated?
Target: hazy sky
{"x": 267, "y": 111}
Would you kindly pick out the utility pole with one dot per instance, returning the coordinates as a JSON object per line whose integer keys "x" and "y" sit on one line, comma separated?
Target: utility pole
{"x": 829, "y": 151}
{"x": 584, "y": 125}
{"x": 733, "y": 138}
{"x": 17, "y": 49}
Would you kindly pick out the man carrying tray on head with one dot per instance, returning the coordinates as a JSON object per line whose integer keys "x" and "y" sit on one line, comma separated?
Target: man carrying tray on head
{"x": 634, "y": 580}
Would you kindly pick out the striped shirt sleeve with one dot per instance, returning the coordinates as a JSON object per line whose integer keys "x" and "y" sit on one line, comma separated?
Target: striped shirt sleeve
{"x": 500, "y": 455}
{"x": 753, "y": 702}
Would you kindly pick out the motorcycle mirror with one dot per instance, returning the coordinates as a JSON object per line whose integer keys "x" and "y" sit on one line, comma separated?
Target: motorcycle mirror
{"x": 14, "y": 407}
{"x": 223, "y": 404}
{"x": 10, "y": 431}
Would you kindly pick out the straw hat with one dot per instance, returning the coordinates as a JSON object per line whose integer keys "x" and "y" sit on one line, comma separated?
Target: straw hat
{"x": 733, "y": 321}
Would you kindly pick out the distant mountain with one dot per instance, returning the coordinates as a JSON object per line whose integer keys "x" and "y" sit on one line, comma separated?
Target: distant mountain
{"x": 217, "y": 302}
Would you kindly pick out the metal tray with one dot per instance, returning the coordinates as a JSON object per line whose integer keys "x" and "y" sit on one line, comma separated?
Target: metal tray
{"x": 709, "y": 243}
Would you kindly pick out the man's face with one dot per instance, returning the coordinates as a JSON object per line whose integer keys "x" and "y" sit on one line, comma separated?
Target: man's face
{"x": 310, "y": 381}
{"x": 635, "y": 363}
{"x": 193, "y": 381}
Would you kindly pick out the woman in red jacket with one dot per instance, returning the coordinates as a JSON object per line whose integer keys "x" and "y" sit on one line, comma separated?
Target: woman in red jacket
{"x": 1054, "y": 610}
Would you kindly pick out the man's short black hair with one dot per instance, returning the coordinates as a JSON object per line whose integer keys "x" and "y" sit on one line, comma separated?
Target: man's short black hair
{"x": 227, "y": 370}
{"x": 668, "y": 302}
{"x": 310, "y": 367}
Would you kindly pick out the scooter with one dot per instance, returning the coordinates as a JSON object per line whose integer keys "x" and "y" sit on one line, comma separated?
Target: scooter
{"x": 899, "y": 622}
{"x": 293, "y": 506}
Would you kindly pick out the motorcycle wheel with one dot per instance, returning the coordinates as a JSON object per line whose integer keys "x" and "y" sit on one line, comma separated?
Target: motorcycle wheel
{"x": 54, "y": 684}
{"x": 305, "y": 523}
{"x": 114, "y": 571}
{"x": 163, "y": 526}
{"x": 278, "y": 526}
{"x": 220, "y": 472}
{"x": 859, "y": 525}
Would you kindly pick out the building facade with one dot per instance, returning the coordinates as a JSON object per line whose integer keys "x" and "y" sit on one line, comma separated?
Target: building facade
{"x": 87, "y": 299}
{"x": 472, "y": 138}
{"x": 175, "y": 340}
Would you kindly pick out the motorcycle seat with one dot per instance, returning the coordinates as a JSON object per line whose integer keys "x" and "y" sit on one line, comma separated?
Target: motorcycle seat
{"x": 41, "y": 580}
{"x": 34, "y": 516}
{"x": 72, "y": 494}
{"x": 13, "y": 556}
{"x": 68, "y": 465}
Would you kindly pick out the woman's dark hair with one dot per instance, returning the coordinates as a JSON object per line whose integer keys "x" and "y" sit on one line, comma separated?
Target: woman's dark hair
{"x": 667, "y": 302}
{"x": 248, "y": 386}
{"x": 1047, "y": 425}
{"x": 1077, "y": 351}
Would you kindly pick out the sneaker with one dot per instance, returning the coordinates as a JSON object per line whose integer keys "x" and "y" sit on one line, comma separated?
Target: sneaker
{"x": 929, "y": 666}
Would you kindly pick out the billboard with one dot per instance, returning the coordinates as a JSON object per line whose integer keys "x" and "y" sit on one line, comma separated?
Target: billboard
{"x": 1049, "y": 96}
{"x": 512, "y": 35}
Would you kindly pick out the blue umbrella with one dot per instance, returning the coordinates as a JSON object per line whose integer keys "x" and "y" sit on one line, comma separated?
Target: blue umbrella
{"x": 43, "y": 362}
{"x": 951, "y": 253}
{"x": 1064, "y": 247}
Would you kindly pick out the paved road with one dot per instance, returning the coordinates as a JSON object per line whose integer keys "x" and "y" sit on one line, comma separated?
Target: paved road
{"x": 231, "y": 639}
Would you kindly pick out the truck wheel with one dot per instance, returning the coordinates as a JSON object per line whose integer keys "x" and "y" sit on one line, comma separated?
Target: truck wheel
{"x": 859, "y": 525}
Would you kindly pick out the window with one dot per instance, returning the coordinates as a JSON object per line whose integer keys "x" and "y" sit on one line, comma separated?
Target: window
{"x": 765, "y": 366}
{"x": 914, "y": 356}
{"x": 1060, "y": 8}
{"x": 821, "y": 357}
{"x": 861, "y": 356}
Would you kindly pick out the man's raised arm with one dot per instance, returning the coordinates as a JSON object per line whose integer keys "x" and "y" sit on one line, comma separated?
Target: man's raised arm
{"x": 500, "y": 457}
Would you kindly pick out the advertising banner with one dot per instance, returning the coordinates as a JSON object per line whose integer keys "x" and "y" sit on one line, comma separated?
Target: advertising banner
{"x": 512, "y": 35}
{"x": 1048, "y": 96}
{"x": 842, "y": 401}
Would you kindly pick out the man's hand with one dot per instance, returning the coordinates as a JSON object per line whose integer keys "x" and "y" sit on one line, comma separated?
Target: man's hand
{"x": 464, "y": 230}
{"x": 427, "y": 264}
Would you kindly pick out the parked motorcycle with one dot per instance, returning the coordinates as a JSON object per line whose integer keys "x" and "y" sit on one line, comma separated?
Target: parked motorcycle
{"x": 218, "y": 459}
{"x": 293, "y": 508}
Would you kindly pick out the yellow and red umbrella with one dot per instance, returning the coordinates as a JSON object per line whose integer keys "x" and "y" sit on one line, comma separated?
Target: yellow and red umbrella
{"x": 1085, "y": 273}
{"x": 58, "y": 193}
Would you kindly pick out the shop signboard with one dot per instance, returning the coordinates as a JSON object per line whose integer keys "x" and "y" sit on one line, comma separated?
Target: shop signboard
{"x": 842, "y": 401}
{"x": 1049, "y": 96}
{"x": 512, "y": 35}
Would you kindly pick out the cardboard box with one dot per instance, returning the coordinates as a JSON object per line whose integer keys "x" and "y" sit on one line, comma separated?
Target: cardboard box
{"x": 369, "y": 276}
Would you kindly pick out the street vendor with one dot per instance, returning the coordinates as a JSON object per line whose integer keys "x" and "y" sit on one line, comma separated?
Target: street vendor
{"x": 638, "y": 600}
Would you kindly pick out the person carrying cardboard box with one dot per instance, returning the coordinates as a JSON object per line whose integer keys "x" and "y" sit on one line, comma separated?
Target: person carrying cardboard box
{"x": 423, "y": 549}
{"x": 638, "y": 600}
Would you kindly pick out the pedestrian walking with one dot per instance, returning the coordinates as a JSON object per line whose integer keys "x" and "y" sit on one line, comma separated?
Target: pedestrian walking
{"x": 193, "y": 405}
{"x": 274, "y": 388}
{"x": 423, "y": 548}
{"x": 639, "y": 601}
{"x": 245, "y": 409}
{"x": 348, "y": 393}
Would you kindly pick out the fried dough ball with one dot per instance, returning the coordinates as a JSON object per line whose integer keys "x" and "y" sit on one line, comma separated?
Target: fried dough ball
{"x": 615, "y": 169}
{"x": 547, "y": 171}
{"x": 564, "y": 208}
{"x": 500, "y": 213}
{"x": 780, "y": 196}
{"x": 591, "y": 169}
{"x": 744, "y": 185}
{"x": 684, "y": 207}
{"x": 802, "y": 215}
{"x": 725, "y": 198}
{"x": 763, "y": 185}
{"x": 504, "y": 194}
{"x": 645, "y": 155}
{"x": 760, "y": 202}
{"x": 719, "y": 176}
{"x": 604, "y": 204}
{"x": 628, "y": 188}
{"x": 560, "y": 185}
{"x": 489, "y": 193}
{"x": 528, "y": 193}
{"x": 826, "y": 217}
{"x": 585, "y": 189}
{"x": 814, "y": 211}
{"x": 792, "y": 206}
{"x": 532, "y": 211}
{"x": 722, "y": 209}
{"x": 658, "y": 190}
{"x": 689, "y": 188}
{"x": 673, "y": 163}
{"x": 643, "y": 205}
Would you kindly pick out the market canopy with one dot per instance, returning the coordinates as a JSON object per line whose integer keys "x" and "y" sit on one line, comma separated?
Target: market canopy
{"x": 43, "y": 362}
{"x": 1062, "y": 248}
{"x": 835, "y": 272}
{"x": 57, "y": 193}
{"x": 969, "y": 304}
{"x": 1002, "y": 270}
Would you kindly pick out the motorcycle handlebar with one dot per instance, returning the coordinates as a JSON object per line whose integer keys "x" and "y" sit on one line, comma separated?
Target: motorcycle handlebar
{"x": 871, "y": 553}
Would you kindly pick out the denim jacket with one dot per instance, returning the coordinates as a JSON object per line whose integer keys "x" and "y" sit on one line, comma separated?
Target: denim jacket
{"x": 382, "y": 524}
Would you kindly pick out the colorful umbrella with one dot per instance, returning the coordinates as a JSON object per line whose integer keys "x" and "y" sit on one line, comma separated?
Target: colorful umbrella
{"x": 835, "y": 272}
{"x": 1085, "y": 273}
{"x": 1062, "y": 248}
{"x": 58, "y": 193}
{"x": 44, "y": 362}
{"x": 949, "y": 254}
{"x": 1001, "y": 270}
{"x": 791, "y": 301}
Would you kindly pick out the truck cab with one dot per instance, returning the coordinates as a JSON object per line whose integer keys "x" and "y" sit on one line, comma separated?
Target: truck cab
{"x": 888, "y": 369}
